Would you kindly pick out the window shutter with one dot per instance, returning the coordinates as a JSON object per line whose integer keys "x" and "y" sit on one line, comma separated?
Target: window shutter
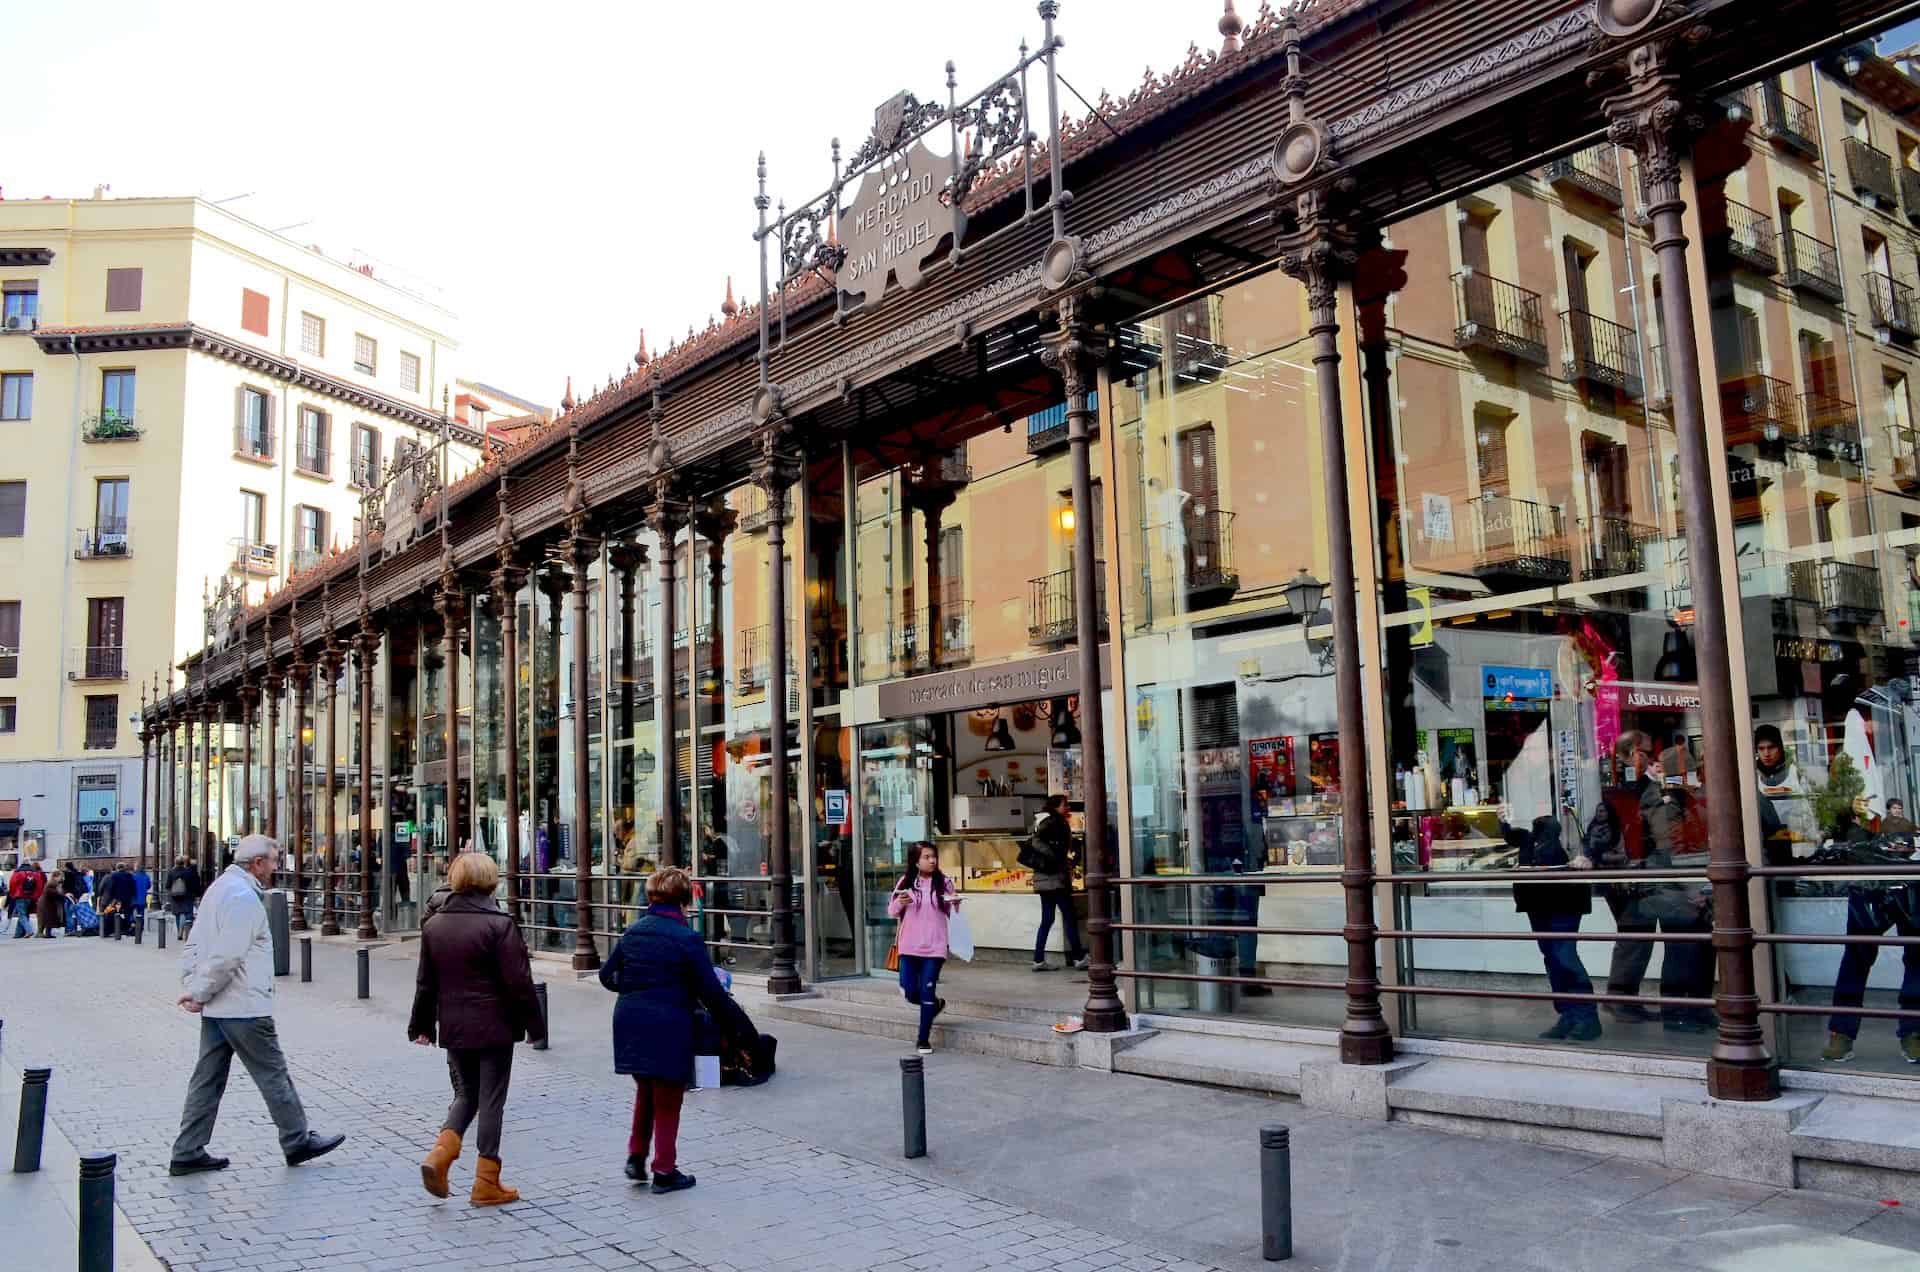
{"x": 254, "y": 311}
{"x": 13, "y": 509}
{"x": 9, "y": 624}
{"x": 123, "y": 290}
{"x": 1216, "y": 716}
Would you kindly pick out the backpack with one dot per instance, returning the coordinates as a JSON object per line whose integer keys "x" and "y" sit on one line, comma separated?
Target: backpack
{"x": 1035, "y": 853}
{"x": 177, "y": 889}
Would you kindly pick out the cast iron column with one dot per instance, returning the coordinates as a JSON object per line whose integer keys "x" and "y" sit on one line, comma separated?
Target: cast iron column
{"x": 451, "y": 602}
{"x": 553, "y": 582}
{"x": 1320, "y": 254}
{"x": 204, "y": 811}
{"x": 777, "y": 471}
{"x": 219, "y": 818}
{"x": 366, "y": 655}
{"x": 582, "y": 551}
{"x": 1648, "y": 116}
{"x": 172, "y": 743}
{"x": 329, "y": 865}
{"x": 508, "y": 579}
{"x": 627, "y": 558}
{"x": 276, "y": 685}
{"x": 665, "y": 518}
{"x": 247, "y": 691}
{"x": 297, "y": 829}
{"x": 146, "y": 781}
{"x": 1070, "y": 353}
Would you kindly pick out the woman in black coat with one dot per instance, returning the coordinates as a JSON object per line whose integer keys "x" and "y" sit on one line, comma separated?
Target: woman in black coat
{"x": 474, "y": 996}
{"x": 661, "y": 970}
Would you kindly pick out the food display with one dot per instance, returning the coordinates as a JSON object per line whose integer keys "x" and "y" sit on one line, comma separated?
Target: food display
{"x": 988, "y": 863}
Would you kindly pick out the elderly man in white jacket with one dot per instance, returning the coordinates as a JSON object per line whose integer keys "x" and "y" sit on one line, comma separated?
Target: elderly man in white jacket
{"x": 226, "y": 973}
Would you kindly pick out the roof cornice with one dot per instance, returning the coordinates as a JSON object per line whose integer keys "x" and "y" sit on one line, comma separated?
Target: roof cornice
{"x": 26, "y": 256}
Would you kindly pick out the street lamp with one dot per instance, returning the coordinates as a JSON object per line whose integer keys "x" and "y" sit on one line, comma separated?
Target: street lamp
{"x": 1304, "y": 596}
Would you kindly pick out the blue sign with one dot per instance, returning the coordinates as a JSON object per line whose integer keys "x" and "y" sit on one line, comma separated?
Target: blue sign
{"x": 836, "y": 808}
{"x": 1517, "y": 684}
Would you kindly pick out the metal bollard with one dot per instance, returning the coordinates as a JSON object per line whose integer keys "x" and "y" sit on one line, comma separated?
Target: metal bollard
{"x": 279, "y": 929}
{"x": 913, "y": 1105}
{"x": 140, "y": 932}
{"x": 96, "y": 1212}
{"x": 1276, "y": 1194}
{"x": 365, "y": 973}
{"x": 540, "y": 992}
{"x": 306, "y": 960}
{"x": 165, "y": 923}
{"x": 33, "y": 1120}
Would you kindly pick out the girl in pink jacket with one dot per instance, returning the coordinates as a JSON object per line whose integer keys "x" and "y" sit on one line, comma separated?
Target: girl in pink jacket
{"x": 922, "y": 902}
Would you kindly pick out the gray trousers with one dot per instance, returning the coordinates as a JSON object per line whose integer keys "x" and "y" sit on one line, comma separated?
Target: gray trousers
{"x": 254, "y": 1040}
{"x": 480, "y": 1076}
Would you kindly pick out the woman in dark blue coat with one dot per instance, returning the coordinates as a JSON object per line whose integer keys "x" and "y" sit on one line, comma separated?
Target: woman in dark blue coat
{"x": 661, "y": 970}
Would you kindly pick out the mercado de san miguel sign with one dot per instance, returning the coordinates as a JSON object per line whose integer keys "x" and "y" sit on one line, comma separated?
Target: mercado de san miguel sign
{"x": 901, "y": 215}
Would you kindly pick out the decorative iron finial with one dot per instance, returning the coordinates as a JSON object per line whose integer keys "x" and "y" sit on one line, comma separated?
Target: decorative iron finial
{"x": 729, "y": 307}
{"x": 1230, "y": 28}
{"x": 760, "y": 199}
{"x": 641, "y": 358}
{"x": 566, "y": 401}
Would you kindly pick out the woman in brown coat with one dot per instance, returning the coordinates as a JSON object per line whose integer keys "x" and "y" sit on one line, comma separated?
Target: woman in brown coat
{"x": 475, "y": 992}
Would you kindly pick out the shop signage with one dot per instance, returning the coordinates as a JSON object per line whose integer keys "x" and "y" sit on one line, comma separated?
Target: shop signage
{"x": 1517, "y": 684}
{"x": 836, "y": 808}
{"x": 899, "y": 216}
{"x": 1802, "y": 649}
{"x": 1420, "y": 601}
{"x": 1049, "y": 676}
{"x": 1640, "y": 697}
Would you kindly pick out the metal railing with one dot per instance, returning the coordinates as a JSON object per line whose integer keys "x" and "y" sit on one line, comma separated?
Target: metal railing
{"x": 97, "y": 662}
{"x": 1844, "y": 592}
{"x": 1499, "y": 316}
{"x": 1788, "y": 120}
{"x": 107, "y": 539}
{"x": 1750, "y": 239}
{"x": 314, "y": 461}
{"x": 1812, "y": 266}
{"x": 911, "y": 650}
{"x": 755, "y": 515}
{"x": 1052, "y": 616}
{"x": 109, "y": 426}
{"x": 1904, "y": 445}
{"x": 253, "y": 558}
{"x": 1520, "y": 539}
{"x": 1891, "y": 304}
{"x": 1593, "y": 171}
{"x": 1871, "y": 173}
{"x": 755, "y": 657}
{"x": 554, "y": 896}
{"x": 305, "y": 559}
{"x": 1832, "y": 426}
{"x": 1601, "y": 352}
{"x": 253, "y": 441}
{"x": 364, "y": 472}
{"x": 1615, "y": 546}
{"x": 1047, "y": 430}
{"x": 1759, "y": 409}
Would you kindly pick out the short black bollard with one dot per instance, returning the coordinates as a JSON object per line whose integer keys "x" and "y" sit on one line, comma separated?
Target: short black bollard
{"x": 279, "y": 928}
{"x": 165, "y": 923}
{"x": 540, "y": 992}
{"x": 913, "y": 1104}
{"x": 1276, "y": 1194}
{"x": 96, "y": 1212}
{"x": 365, "y": 973}
{"x": 306, "y": 959}
{"x": 33, "y": 1120}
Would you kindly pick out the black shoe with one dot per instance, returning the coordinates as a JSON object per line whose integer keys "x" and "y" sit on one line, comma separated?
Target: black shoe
{"x": 1585, "y": 1030}
{"x": 194, "y": 1165}
{"x": 637, "y": 1167}
{"x": 1561, "y": 1028}
{"x": 1632, "y": 1013}
{"x": 1256, "y": 991}
{"x": 939, "y": 1005}
{"x": 317, "y": 1145}
{"x": 672, "y": 1181}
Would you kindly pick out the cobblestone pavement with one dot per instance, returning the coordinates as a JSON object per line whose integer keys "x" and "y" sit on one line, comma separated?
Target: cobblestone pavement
{"x": 1032, "y": 1168}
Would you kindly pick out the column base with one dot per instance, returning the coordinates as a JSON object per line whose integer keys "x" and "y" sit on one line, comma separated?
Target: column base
{"x": 366, "y": 932}
{"x": 1369, "y": 1044}
{"x": 1104, "y": 1012}
{"x": 298, "y": 923}
{"x": 587, "y": 960}
{"x": 1744, "y": 1083}
{"x": 329, "y": 928}
{"x": 779, "y": 985}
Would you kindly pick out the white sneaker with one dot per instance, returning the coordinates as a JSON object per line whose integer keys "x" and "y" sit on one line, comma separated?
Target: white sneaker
{"x": 1081, "y": 965}
{"x": 1043, "y": 967}
{"x": 925, "y": 1050}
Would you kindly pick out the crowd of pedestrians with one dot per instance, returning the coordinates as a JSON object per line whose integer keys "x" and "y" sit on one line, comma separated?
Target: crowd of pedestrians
{"x": 76, "y": 899}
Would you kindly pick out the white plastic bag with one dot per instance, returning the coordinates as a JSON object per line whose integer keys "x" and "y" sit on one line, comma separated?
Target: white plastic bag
{"x": 706, "y": 1073}
{"x": 960, "y": 936}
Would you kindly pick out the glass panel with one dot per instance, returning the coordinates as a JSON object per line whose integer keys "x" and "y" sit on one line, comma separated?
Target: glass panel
{"x": 896, "y": 807}
{"x": 393, "y": 862}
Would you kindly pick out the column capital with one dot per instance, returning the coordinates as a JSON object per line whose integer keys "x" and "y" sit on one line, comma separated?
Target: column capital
{"x": 627, "y": 557}
{"x": 1647, "y": 104}
{"x": 332, "y": 657}
{"x": 450, "y": 601}
{"x": 714, "y": 520}
{"x": 667, "y": 514}
{"x": 1068, "y": 350}
{"x": 1320, "y": 249}
{"x": 778, "y": 467}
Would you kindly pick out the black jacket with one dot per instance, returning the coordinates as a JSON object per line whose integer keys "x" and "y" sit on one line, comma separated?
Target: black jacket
{"x": 660, "y": 969}
{"x": 192, "y": 876}
{"x": 475, "y": 983}
{"x": 121, "y": 890}
{"x": 1543, "y": 846}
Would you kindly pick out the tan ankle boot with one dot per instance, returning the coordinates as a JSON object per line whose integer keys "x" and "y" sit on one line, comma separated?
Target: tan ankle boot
{"x": 487, "y": 1188}
{"x": 440, "y": 1159}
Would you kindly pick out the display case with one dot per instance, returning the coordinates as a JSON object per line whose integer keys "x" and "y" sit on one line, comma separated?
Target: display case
{"x": 991, "y": 863}
{"x": 1464, "y": 837}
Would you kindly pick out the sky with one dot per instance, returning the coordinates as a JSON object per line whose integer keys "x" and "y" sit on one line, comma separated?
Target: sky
{"x": 565, "y": 173}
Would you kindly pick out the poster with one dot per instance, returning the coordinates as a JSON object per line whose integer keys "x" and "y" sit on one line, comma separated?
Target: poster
{"x": 1323, "y": 763}
{"x": 1064, "y": 774}
{"x": 1269, "y": 771}
{"x": 1436, "y": 517}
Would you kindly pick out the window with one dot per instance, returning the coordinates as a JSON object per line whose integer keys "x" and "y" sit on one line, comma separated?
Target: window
{"x": 365, "y": 353}
{"x": 310, "y": 525}
{"x": 313, "y": 335}
{"x": 253, "y": 516}
{"x": 253, "y": 433}
{"x": 366, "y": 456}
{"x": 1900, "y": 419}
{"x": 9, "y": 714}
{"x": 16, "y": 396}
{"x": 110, "y": 496}
{"x": 9, "y": 639}
{"x": 1855, "y": 121}
{"x": 20, "y": 307}
{"x": 103, "y": 722}
{"x": 255, "y": 311}
{"x": 409, "y": 372}
{"x": 13, "y": 509}
{"x": 123, "y": 291}
{"x": 116, "y": 396}
{"x": 315, "y": 454}
{"x": 106, "y": 637}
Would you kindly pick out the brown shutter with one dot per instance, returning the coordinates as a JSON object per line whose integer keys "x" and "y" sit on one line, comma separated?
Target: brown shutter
{"x": 254, "y": 311}
{"x": 13, "y": 509}
{"x": 10, "y": 624}
{"x": 123, "y": 291}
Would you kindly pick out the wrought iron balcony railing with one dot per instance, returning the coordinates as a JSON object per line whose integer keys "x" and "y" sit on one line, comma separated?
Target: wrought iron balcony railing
{"x": 313, "y": 461}
{"x": 108, "y": 539}
{"x": 1052, "y": 617}
{"x": 755, "y": 516}
{"x": 754, "y": 662}
{"x": 1788, "y": 121}
{"x": 1593, "y": 171}
{"x": 1812, "y": 266}
{"x": 253, "y": 441}
{"x": 1832, "y": 426}
{"x": 1871, "y": 172}
{"x": 305, "y": 559}
{"x": 913, "y": 647}
{"x": 97, "y": 662}
{"x": 253, "y": 558}
{"x": 1520, "y": 540}
{"x": 1904, "y": 445}
{"x": 1891, "y": 303}
{"x": 1499, "y": 316}
{"x": 1759, "y": 409}
{"x": 1750, "y": 239}
{"x": 364, "y": 472}
{"x": 1845, "y": 594}
{"x": 1601, "y": 353}
{"x": 1614, "y": 546}
{"x": 109, "y": 426}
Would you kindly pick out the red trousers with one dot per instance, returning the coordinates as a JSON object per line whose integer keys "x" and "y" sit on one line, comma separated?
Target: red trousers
{"x": 656, "y": 1116}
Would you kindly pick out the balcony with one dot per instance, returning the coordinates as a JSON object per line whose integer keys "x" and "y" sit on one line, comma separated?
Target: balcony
{"x": 109, "y": 426}
{"x": 364, "y": 472}
{"x": 1787, "y": 121}
{"x": 1760, "y": 410}
{"x": 253, "y": 558}
{"x": 1871, "y": 174}
{"x": 755, "y": 658}
{"x": 1910, "y": 193}
{"x": 1600, "y": 353}
{"x": 254, "y": 442}
{"x": 1594, "y": 172}
{"x": 1614, "y": 546}
{"x": 1520, "y": 541}
{"x": 1812, "y": 266}
{"x": 911, "y": 649}
{"x": 313, "y": 462}
{"x": 1499, "y": 317}
{"x": 108, "y": 539}
{"x": 97, "y": 662}
{"x": 755, "y": 516}
{"x": 305, "y": 559}
{"x": 1750, "y": 239}
{"x": 1844, "y": 593}
{"x": 1832, "y": 427}
{"x": 1904, "y": 443}
{"x": 1890, "y": 302}
{"x": 1052, "y": 617}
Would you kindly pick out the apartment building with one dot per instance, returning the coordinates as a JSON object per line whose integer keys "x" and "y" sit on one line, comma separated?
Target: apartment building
{"x": 191, "y": 405}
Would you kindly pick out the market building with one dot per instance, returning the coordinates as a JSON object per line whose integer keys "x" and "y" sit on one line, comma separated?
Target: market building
{"x": 1420, "y": 479}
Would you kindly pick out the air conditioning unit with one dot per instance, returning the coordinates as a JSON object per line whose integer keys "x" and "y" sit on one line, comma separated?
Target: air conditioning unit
{"x": 22, "y": 322}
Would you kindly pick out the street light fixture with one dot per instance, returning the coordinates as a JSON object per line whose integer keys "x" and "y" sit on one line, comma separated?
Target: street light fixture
{"x": 1305, "y": 596}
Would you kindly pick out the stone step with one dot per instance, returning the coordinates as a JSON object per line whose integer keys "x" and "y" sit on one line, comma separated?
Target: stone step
{"x": 1222, "y": 1060}
{"x": 1007, "y": 1039}
{"x": 881, "y": 993}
